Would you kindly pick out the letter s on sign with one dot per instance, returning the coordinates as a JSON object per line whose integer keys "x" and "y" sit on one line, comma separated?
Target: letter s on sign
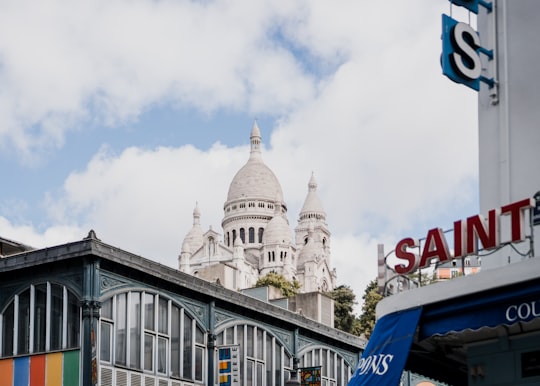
{"x": 466, "y": 59}
{"x": 402, "y": 253}
{"x": 385, "y": 364}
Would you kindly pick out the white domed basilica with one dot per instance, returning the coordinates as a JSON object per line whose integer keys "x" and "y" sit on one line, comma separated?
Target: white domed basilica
{"x": 257, "y": 238}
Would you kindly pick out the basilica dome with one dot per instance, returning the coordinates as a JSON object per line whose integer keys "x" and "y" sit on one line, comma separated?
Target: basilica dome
{"x": 255, "y": 180}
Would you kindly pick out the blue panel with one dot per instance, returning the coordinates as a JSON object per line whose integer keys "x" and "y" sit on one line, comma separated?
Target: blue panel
{"x": 386, "y": 353}
{"x": 471, "y": 5}
{"x": 21, "y": 371}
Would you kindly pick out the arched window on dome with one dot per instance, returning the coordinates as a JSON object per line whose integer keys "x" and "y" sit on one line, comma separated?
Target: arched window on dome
{"x": 243, "y": 235}
{"x": 233, "y": 236}
{"x": 261, "y": 232}
{"x": 228, "y": 239}
{"x": 251, "y": 235}
{"x": 324, "y": 241}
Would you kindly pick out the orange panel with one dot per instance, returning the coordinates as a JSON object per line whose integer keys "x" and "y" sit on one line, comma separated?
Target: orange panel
{"x": 53, "y": 369}
{"x": 37, "y": 370}
{"x": 6, "y": 372}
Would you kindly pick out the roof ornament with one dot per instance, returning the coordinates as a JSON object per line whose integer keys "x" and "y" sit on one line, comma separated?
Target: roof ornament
{"x": 91, "y": 236}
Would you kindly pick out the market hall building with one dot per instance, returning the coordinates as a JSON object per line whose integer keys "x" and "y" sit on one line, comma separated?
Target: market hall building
{"x": 88, "y": 313}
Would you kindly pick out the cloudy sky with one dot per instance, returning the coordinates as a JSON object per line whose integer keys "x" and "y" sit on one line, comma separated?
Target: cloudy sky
{"x": 120, "y": 115}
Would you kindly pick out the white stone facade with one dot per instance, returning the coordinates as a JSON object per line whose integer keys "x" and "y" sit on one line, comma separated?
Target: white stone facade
{"x": 257, "y": 238}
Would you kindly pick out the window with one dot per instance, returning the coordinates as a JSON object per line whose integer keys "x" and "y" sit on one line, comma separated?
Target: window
{"x": 251, "y": 235}
{"x": 334, "y": 370}
{"x": 243, "y": 235}
{"x": 263, "y": 360}
{"x": 261, "y": 232}
{"x": 162, "y": 338}
{"x": 42, "y": 318}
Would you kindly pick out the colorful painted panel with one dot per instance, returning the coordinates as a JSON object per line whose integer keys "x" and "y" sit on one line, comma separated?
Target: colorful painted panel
{"x": 310, "y": 376}
{"x": 37, "y": 369}
{"x": 55, "y": 369}
{"x": 71, "y": 368}
{"x": 229, "y": 366}
{"x": 21, "y": 370}
{"x": 6, "y": 370}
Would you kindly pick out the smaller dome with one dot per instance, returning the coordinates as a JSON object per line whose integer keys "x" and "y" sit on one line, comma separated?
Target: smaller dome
{"x": 312, "y": 204}
{"x": 277, "y": 231}
{"x": 186, "y": 248}
{"x": 194, "y": 239}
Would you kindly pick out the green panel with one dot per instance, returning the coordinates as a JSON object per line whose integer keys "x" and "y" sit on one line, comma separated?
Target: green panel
{"x": 71, "y": 368}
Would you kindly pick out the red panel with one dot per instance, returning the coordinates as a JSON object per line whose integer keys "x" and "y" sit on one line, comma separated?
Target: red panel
{"x": 37, "y": 370}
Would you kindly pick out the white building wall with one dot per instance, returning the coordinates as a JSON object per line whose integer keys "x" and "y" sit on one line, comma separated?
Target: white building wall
{"x": 509, "y": 124}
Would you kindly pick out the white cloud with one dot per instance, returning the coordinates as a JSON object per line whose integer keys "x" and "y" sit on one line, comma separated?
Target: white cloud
{"x": 112, "y": 59}
{"x": 29, "y": 235}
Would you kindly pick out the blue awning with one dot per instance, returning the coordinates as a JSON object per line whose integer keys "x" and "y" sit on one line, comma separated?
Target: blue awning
{"x": 504, "y": 305}
{"x": 386, "y": 353}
